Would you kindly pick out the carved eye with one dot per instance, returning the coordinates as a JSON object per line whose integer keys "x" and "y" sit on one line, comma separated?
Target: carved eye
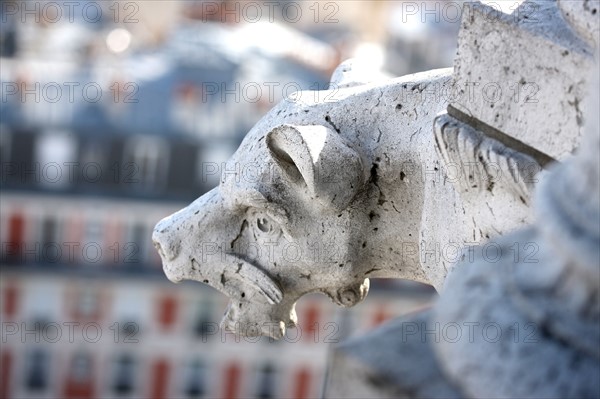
{"x": 264, "y": 225}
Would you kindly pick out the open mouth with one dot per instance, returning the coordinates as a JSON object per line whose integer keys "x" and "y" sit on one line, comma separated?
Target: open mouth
{"x": 233, "y": 276}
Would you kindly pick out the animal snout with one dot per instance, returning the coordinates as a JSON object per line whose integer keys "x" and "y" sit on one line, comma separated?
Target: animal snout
{"x": 165, "y": 243}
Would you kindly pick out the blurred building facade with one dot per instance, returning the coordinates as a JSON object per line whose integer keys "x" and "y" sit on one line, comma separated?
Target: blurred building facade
{"x": 105, "y": 128}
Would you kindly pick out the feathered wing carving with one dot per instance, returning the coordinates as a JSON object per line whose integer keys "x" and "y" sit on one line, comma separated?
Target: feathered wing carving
{"x": 502, "y": 168}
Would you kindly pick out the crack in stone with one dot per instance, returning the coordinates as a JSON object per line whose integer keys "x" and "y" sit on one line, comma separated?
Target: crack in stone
{"x": 242, "y": 228}
{"x": 328, "y": 120}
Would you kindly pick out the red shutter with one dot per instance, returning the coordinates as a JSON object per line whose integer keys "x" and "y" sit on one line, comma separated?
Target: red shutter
{"x": 16, "y": 229}
{"x": 10, "y": 301}
{"x": 311, "y": 326}
{"x": 160, "y": 379}
{"x": 5, "y": 369}
{"x": 302, "y": 386}
{"x": 232, "y": 381}
{"x": 167, "y": 311}
{"x": 75, "y": 390}
{"x": 80, "y": 387}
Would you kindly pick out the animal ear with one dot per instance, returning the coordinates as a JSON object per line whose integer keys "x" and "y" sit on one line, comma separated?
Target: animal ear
{"x": 318, "y": 157}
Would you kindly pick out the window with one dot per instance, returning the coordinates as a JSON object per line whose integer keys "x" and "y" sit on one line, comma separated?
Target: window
{"x": 146, "y": 162}
{"x": 132, "y": 250}
{"x": 93, "y": 242}
{"x": 138, "y": 245}
{"x": 48, "y": 230}
{"x": 5, "y": 145}
{"x": 54, "y": 150}
{"x": 94, "y": 165}
{"x": 203, "y": 322}
{"x": 50, "y": 249}
{"x": 87, "y": 304}
{"x": 81, "y": 368}
{"x": 266, "y": 382}
{"x": 195, "y": 380}
{"x": 36, "y": 378}
{"x": 124, "y": 375}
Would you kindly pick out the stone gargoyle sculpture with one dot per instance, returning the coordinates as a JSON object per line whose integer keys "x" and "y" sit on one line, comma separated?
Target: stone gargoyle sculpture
{"x": 334, "y": 187}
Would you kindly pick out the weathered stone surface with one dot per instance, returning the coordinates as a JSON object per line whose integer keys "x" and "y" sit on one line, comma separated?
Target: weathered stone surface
{"x": 524, "y": 74}
{"x": 511, "y": 352}
{"x": 584, "y": 17}
{"x": 360, "y": 368}
{"x": 493, "y": 180}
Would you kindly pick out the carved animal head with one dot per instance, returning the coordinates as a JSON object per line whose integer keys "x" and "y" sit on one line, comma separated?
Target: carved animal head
{"x": 277, "y": 227}
{"x": 311, "y": 202}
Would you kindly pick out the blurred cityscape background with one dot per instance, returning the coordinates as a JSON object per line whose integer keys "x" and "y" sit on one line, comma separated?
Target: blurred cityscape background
{"x": 115, "y": 114}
